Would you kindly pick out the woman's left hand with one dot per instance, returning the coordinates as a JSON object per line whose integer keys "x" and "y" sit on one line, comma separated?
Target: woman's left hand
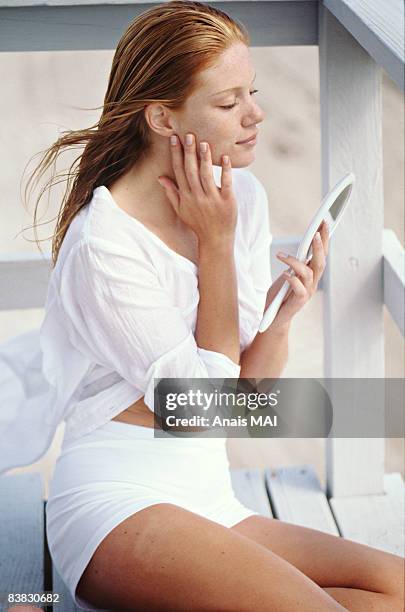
{"x": 305, "y": 282}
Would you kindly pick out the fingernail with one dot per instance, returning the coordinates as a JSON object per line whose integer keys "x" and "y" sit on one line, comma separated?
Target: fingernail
{"x": 281, "y": 254}
{"x": 173, "y": 139}
{"x": 189, "y": 139}
{"x": 203, "y": 147}
{"x": 317, "y": 236}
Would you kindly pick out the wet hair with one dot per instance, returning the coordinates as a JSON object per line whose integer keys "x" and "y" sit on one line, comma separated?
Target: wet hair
{"x": 157, "y": 59}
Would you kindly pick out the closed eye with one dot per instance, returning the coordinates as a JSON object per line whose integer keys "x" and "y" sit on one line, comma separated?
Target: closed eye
{"x": 232, "y": 105}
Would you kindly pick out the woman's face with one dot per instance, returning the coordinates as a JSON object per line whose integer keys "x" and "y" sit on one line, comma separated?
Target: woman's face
{"x": 230, "y": 83}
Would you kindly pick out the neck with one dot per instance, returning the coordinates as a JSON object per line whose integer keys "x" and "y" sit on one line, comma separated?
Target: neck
{"x": 139, "y": 193}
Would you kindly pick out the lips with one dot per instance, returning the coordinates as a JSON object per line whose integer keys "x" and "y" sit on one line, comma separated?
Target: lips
{"x": 248, "y": 139}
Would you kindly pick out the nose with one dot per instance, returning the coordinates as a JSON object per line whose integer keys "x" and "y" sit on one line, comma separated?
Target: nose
{"x": 256, "y": 114}
{"x": 254, "y": 118}
{"x": 260, "y": 114}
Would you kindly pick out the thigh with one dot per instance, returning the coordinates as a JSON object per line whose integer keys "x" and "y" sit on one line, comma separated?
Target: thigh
{"x": 167, "y": 558}
{"x": 326, "y": 559}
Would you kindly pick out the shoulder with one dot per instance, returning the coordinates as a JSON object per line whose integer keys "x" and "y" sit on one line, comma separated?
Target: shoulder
{"x": 96, "y": 260}
{"x": 99, "y": 257}
{"x": 108, "y": 277}
{"x": 111, "y": 237}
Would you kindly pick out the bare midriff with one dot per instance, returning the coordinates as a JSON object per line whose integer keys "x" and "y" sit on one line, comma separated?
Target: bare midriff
{"x": 137, "y": 414}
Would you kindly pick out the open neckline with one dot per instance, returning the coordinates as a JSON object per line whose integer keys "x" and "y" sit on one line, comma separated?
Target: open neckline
{"x": 152, "y": 235}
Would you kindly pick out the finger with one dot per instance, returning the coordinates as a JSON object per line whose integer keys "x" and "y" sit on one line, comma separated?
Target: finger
{"x": 299, "y": 267}
{"x": 317, "y": 264}
{"x": 178, "y": 163}
{"x": 297, "y": 286}
{"x": 226, "y": 177}
{"x": 323, "y": 229}
{"x": 206, "y": 172}
{"x": 191, "y": 165}
{"x": 325, "y": 237}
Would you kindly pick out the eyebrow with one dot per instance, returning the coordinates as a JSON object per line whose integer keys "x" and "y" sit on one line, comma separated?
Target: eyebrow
{"x": 230, "y": 89}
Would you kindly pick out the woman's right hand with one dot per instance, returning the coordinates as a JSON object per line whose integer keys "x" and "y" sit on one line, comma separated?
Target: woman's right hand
{"x": 211, "y": 212}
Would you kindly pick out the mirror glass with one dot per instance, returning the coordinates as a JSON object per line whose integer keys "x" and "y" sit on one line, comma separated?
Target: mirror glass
{"x": 333, "y": 214}
{"x": 338, "y": 204}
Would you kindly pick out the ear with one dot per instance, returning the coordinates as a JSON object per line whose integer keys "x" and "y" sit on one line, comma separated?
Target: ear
{"x": 159, "y": 119}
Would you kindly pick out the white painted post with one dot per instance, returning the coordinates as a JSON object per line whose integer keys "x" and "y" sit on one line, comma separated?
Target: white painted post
{"x": 350, "y": 98}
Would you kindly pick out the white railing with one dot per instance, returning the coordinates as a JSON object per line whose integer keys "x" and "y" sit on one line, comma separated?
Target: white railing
{"x": 24, "y": 276}
{"x": 365, "y": 262}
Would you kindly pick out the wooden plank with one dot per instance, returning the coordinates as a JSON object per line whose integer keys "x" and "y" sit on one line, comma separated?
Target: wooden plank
{"x": 24, "y": 280}
{"x": 21, "y": 534}
{"x": 296, "y": 497}
{"x": 73, "y": 26}
{"x": 351, "y": 139}
{"x": 394, "y": 277}
{"x": 250, "y": 490}
{"x": 375, "y": 520}
{"x": 379, "y": 28}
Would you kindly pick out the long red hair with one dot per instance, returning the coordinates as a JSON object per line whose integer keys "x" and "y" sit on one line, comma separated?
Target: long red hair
{"x": 157, "y": 60}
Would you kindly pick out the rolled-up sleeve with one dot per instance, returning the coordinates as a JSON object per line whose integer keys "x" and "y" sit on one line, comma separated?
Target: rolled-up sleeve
{"x": 260, "y": 240}
{"x": 124, "y": 318}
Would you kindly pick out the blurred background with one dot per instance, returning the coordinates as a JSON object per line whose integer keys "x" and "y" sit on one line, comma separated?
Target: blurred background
{"x": 44, "y": 94}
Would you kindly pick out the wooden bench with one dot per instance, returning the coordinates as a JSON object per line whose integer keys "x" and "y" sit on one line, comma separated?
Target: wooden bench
{"x": 292, "y": 494}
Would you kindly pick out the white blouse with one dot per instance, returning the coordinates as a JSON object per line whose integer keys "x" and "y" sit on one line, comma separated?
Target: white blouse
{"x": 121, "y": 310}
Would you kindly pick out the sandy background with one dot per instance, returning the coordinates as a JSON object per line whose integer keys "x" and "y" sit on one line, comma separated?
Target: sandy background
{"x": 42, "y": 94}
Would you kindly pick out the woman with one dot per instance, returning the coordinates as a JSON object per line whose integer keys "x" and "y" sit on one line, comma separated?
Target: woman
{"x": 171, "y": 280}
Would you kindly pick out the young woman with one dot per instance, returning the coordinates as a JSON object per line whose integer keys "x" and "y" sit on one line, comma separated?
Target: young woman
{"x": 161, "y": 270}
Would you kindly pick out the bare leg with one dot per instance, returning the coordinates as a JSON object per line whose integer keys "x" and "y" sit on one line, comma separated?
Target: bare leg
{"x": 167, "y": 558}
{"x": 357, "y": 600}
{"x": 363, "y": 576}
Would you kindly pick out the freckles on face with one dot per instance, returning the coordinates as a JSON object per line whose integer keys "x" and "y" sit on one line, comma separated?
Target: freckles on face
{"x": 219, "y": 130}
{"x": 220, "y": 135}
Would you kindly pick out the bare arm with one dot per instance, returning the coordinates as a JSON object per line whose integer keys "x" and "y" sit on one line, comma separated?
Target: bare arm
{"x": 217, "y": 326}
{"x": 267, "y": 355}
{"x": 211, "y": 212}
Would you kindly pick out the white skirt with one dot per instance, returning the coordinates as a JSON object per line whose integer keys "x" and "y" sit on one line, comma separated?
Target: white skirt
{"x": 118, "y": 469}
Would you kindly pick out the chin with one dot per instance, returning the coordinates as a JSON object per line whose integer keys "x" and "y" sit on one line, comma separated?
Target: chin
{"x": 238, "y": 161}
{"x": 243, "y": 163}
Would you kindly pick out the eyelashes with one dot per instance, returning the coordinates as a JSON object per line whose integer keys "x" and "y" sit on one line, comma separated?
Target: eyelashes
{"x": 233, "y": 105}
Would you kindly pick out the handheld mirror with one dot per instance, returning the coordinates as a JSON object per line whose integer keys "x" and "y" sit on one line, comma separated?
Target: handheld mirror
{"x": 331, "y": 209}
